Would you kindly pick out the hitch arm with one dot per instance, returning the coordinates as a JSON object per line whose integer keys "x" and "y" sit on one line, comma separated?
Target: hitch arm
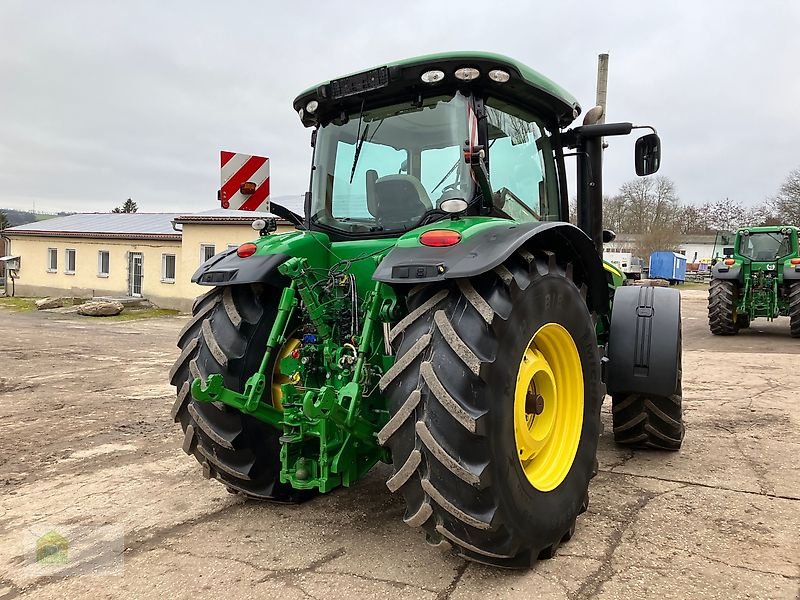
{"x": 250, "y": 400}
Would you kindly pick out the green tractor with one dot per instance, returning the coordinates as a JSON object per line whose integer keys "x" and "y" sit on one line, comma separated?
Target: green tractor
{"x": 760, "y": 277}
{"x": 434, "y": 310}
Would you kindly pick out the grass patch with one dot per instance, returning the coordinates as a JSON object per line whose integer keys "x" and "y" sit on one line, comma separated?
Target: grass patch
{"x": 133, "y": 314}
{"x": 18, "y": 304}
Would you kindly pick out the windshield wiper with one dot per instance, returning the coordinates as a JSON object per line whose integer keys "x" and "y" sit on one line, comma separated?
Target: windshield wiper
{"x": 360, "y": 137}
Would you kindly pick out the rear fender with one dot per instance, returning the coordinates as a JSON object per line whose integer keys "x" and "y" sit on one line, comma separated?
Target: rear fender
{"x": 644, "y": 345}
{"x": 723, "y": 271}
{"x": 227, "y": 268}
{"x": 488, "y": 247}
{"x": 791, "y": 272}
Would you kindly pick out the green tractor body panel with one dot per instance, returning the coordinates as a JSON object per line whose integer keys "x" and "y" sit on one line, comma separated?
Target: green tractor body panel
{"x": 762, "y": 269}
{"x": 616, "y": 277}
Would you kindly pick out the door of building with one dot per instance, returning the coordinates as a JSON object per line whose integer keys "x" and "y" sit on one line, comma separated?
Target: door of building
{"x": 136, "y": 274}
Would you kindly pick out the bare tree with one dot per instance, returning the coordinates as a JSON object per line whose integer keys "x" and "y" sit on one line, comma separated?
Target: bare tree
{"x": 650, "y": 207}
{"x": 3, "y": 221}
{"x": 726, "y": 215}
{"x": 765, "y": 215}
{"x": 786, "y": 203}
{"x": 614, "y": 213}
{"x": 691, "y": 219}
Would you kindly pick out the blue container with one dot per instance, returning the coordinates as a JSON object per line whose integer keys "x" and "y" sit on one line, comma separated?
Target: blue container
{"x": 668, "y": 265}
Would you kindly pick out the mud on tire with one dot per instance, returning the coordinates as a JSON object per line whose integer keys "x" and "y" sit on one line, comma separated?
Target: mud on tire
{"x": 227, "y": 335}
{"x": 451, "y": 398}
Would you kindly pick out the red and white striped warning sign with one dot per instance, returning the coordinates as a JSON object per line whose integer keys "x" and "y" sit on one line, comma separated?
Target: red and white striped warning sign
{"x": 245, "y": 181}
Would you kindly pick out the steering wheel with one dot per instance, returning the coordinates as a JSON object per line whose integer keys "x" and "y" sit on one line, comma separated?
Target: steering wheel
{"x": 504, "y": 193}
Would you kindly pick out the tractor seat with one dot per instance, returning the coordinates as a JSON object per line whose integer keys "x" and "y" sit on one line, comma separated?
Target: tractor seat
{"x": 396, "y": 201}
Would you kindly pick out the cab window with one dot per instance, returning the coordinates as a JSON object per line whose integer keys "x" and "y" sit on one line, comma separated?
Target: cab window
{"x": 521, "y": 167}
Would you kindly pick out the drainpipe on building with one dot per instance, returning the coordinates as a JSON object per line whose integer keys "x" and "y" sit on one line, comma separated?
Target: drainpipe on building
{"x": 9, "y": 275}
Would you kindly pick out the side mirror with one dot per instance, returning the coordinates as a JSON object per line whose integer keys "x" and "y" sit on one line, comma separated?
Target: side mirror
{"x": 608, "y": 236}
{"x": 727, "y": 251}
{"x": 648, "y": 154}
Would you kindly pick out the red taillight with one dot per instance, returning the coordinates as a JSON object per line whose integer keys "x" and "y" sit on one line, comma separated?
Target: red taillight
{"x": 246, "y": 250}
{"x": 795, "y": 261}
{"x": 730, "y": 261}
{"x": 439, "y": 238}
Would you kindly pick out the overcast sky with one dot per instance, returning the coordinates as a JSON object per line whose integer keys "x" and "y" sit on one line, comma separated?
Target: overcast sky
{"x": 101, "y": 101}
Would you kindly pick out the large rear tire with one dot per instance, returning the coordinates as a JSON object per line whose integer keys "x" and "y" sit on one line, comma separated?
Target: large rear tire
{"x": 794, "y": 310}
{"x": 227, "y": 335}
{"x": 722, "y": 307}
{"x": 463, "y": 399}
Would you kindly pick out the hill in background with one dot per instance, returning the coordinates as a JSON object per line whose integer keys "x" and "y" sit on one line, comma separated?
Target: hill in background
{"x": 21, "y": 217}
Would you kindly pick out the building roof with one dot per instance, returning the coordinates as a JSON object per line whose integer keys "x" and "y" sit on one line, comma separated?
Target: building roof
{"x": 223, "y": 216}
{"x": 103, "y": 225}
{"x": 142, "y": 226}
{"x": 689, "y": 238}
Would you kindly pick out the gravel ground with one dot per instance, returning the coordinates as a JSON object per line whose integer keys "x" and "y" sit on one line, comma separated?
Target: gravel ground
{"x": 88, "y": 450}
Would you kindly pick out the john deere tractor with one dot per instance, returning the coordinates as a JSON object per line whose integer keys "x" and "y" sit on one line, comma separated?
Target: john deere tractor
{"x": 434, "y": 310}
{"x": 759, "y": 277}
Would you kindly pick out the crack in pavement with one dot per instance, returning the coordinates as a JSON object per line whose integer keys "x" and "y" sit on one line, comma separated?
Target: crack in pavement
{"x": 703, "y": 485}
{"x": 285, "y": 574}
{"x": 758, "y": 469}
{"x": 623, "y": 459}
{"x": 448, "y": 591}
{"x": 743, "y": 567}
{"x": 606, "y": 571}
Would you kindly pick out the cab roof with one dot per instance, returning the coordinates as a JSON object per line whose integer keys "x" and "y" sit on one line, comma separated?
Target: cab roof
{"x": 768, "y": 229}
{"x": 400, "y": 80}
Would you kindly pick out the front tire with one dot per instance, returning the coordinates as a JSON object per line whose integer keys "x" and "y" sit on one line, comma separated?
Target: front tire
{"x": 227, "y": 335}
{"x": 454, "y": 429}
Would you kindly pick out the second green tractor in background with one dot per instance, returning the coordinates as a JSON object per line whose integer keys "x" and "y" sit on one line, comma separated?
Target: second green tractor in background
{"x": 760, "y": 277}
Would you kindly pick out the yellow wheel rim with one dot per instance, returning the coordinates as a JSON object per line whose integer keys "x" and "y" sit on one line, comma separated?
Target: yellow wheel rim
{"x": 278, "y": 378}
{"x": 548, "y": 407}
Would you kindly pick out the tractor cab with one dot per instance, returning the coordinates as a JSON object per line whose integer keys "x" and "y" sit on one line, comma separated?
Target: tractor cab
{"x": 766, "y": 244}
{"x": 421, "y": 140}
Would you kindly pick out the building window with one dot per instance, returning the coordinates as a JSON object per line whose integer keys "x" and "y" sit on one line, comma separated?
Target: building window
{"x": 52, "y": 260}
{"x": 206, "y": 252}
{"x": 168, "y": 268}
{"x": 103, "y": 260}
{"x": 69, "y": 261}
